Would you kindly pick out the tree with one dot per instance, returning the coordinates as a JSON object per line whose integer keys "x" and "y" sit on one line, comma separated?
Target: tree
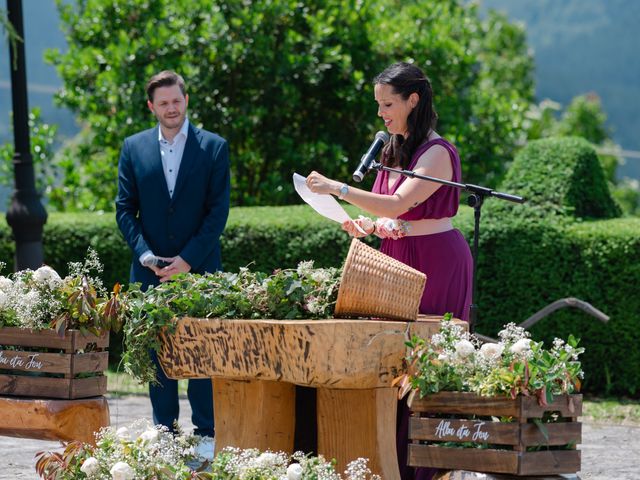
{"x": 288, "y": 83}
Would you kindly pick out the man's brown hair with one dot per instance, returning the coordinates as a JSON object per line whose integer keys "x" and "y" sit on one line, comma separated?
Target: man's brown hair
{"x": 166, "y": 78}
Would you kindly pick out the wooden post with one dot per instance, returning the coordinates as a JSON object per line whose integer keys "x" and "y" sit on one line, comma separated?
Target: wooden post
{"x": 254, "y": 414}
{"x": 368, "y": 415}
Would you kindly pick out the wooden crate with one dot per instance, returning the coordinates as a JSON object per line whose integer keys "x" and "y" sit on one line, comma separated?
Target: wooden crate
{"x": 522, "y": 446}
{"x": 43, "y": 364}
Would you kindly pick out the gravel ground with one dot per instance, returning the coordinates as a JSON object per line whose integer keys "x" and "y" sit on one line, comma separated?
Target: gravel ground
{"x": 609, "y": 452}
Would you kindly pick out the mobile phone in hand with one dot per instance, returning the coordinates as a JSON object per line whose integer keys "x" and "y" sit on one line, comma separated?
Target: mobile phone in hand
{"x": 162, "y": 263}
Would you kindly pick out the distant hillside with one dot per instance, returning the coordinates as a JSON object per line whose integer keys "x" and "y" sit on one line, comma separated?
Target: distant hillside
{"x": 583, "y": 46}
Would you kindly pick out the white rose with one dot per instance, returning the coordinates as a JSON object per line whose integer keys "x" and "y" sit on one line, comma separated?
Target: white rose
{"x": 491, "y": 351}
{"x": 464, "y": 348}
{"x": 123, "y": 433}
{"x": 122, "y": 471}
{"x": 90, "y": 466}
{"x": 294, "y": 471}
{"x": 46, "y": 275}
{"x": 4, "y": 299}
{"x": 5, "y": 283}
{"x": 521, "y": 346}
{"x": 267, "y": 459}
{"x": 150, "y": 436}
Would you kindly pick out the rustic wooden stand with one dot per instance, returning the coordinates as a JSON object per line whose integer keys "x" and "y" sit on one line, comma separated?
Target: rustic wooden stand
{"x": 44, "y": 390}
{"x": 256, "y": 363}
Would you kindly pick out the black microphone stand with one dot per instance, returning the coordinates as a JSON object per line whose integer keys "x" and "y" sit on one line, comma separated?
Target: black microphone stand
{"x": 475, "y": 200}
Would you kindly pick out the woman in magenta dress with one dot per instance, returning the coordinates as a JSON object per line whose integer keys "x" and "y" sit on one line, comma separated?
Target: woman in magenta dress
{"x": 421, "y": 233}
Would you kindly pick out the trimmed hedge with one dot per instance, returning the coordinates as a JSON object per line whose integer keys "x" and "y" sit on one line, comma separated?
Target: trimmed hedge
{"x": 527, "y": 260}
{"x": 560, "y": 176}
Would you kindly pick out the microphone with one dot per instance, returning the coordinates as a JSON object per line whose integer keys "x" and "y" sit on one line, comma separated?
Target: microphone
{"x": 368, "y": 158}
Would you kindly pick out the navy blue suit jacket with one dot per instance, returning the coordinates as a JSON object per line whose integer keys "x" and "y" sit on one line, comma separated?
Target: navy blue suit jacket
{"x": 188, "y": 224}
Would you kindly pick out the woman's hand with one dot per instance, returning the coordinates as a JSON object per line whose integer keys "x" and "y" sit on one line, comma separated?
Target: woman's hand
{"x": 318, "y": 183}
{"x": 392, "y": 228}
{"x": 366, "y": 225}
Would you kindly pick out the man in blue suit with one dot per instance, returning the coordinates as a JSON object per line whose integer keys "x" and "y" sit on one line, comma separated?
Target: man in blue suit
{"x": 172, "y": 206}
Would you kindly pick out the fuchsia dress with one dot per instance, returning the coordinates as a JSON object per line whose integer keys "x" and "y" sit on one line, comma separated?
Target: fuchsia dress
{"x": 446, "y": 260}
{"x": 444, "y": 257}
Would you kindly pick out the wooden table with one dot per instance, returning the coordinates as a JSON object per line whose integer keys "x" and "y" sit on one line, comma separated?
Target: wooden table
{"x": 255, "y": 365}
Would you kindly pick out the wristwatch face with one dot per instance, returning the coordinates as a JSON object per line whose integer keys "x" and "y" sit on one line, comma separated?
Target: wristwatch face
{"x": 344, "y": 189}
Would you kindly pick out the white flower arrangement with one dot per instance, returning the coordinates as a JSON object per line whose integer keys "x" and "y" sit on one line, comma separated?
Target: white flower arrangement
{"x": 143, "y": 451}
{"x": 126, "y": 453}
{"x": 455, "y": 360}
{"x": 41, "y": 299}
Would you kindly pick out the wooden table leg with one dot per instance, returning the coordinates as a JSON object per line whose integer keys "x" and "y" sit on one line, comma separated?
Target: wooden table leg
{"x": 254, "y": 414}
{"x": 359, "y": 423}
{"x": 46, "y": 419}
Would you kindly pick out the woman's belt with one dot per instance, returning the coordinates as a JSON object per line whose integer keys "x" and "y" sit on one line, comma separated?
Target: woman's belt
{"x": 429, "y": 226}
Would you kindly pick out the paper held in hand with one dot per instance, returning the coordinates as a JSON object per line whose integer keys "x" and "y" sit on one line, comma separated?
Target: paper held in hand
{"x": 325, "y": 205}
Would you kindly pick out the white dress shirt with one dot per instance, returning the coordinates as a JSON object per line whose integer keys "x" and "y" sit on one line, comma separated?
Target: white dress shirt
{"x": 171, "y": 155}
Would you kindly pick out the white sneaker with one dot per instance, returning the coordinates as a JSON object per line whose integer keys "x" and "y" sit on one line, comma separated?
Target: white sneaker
{"x": 205, "y": 448}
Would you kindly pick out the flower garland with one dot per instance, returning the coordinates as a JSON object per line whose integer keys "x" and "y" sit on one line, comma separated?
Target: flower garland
{"x": 301, "y": 293}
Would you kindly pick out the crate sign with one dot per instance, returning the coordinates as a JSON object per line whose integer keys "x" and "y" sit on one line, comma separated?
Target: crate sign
{"x": 40, "y": 363}
{"x": 464, "y": 431}
{"x": 15, "y": 360}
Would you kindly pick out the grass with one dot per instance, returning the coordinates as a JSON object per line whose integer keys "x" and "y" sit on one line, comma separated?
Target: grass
{"x": 621, "y": 411}
{"x": 120, "y": 384}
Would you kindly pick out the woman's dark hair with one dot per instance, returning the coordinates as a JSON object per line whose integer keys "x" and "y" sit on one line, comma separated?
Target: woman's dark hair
{"x": 166, "y": 78}
{"x": 405, "y": 79}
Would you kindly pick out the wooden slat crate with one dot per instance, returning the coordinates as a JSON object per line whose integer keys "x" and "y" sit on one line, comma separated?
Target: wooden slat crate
{"x": 522, "y": 446}
{"x": 43, "y": 364}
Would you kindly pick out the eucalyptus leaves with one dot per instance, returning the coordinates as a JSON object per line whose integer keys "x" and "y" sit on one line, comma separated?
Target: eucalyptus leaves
{"x": 453, "y": 360}
{"x": 302, "y": 293}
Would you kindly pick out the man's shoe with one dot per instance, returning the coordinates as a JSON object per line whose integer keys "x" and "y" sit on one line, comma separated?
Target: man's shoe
{"x": 204, "y": 450}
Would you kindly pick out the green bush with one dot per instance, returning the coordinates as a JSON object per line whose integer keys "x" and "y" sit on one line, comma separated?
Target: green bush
{"x": 524, "y": 266}
{"x": 558, "y": 176}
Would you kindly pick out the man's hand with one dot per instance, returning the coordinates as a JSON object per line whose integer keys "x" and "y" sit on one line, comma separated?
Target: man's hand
{"x": 176, "y": 265}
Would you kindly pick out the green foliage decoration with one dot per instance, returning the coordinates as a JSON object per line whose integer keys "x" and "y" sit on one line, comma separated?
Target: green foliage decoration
{"x": 304, "y": 292}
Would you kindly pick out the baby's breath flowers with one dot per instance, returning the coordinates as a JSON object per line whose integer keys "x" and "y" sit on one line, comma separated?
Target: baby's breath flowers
{"x": 454, "y": 360}
{"x": 251, "y": 464}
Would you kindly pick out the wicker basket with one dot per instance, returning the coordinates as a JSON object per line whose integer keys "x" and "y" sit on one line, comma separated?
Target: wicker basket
{"x": 376, "y": 285}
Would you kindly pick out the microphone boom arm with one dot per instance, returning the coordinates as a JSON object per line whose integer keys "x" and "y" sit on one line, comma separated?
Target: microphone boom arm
{"x": 475, "y": 200}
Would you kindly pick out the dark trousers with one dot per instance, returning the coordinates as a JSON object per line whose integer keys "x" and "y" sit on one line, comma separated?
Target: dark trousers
{"x": 166, "y": 407}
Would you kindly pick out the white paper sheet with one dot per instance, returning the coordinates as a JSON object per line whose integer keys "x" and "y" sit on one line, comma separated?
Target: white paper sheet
{"x": 325, "y": 205}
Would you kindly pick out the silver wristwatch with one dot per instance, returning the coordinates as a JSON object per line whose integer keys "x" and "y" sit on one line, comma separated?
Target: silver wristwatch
{"x": 344, "y": 189}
